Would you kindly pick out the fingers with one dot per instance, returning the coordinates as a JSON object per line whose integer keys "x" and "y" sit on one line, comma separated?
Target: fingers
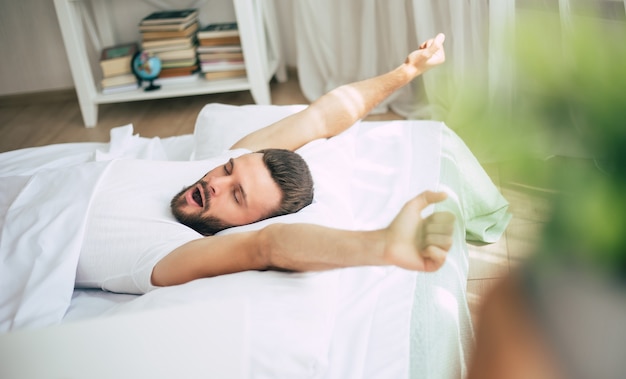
{"x": 440, "y": 240}
{"x": 434, "y": 257}
{"x": 440, "y": 38}
{"x": 438, "y": 230}
{"x": 428, "y": 197}
{"x": 435, "y": 47}
{"x": 440, "y": 219}
{"x": 434, "y": 43}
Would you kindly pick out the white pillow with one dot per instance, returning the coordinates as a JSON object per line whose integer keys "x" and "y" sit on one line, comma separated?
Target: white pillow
{"x": 219, "y": 126}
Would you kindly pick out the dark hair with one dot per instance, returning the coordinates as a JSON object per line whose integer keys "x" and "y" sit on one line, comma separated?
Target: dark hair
{"x": 293, "y": 176}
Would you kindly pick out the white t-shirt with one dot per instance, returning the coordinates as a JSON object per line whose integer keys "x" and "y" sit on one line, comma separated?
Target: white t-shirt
{"x": 129, "y": 224}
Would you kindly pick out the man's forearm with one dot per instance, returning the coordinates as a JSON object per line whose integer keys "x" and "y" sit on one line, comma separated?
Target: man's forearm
{"x": 291, "y": 247}
{"x": 308, "y": 247}
{"x": 351, "y": 102}
{"x": 345, "y": 105}
{"x": 410, "y": 242}
{"x": 331, "y": 114}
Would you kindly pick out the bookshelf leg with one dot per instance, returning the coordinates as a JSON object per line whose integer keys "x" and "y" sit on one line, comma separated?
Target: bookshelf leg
{"x": 69, "y": 15}
{"x": 261, "y": 94}
{"x": 90, "y": 113}
{"x": 281, "y": 73}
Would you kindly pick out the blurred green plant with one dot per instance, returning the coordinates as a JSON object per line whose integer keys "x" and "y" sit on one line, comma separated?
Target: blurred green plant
{"x": 569, "y": 87}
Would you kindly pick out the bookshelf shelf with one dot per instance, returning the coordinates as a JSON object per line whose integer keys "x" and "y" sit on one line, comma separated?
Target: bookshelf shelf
{"x": 199, "y": 86}
{"x": 259, "y": 42}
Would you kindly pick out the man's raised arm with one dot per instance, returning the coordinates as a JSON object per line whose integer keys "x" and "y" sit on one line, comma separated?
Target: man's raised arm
{"x": 340, "y": 108}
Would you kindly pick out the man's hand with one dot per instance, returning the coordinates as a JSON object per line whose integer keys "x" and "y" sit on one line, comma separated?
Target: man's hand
{"x": 417, "y": 243}
{"x": 429, "y": 54}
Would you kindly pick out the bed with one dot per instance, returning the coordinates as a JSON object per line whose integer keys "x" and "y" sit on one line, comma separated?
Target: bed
{"x": 355, "y": 322}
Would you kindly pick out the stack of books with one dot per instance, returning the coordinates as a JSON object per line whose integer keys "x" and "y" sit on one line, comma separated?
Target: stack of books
{"x": 117, "y": 74}
{"x": 171, "y": 36}
{"x": 219, "y": 51}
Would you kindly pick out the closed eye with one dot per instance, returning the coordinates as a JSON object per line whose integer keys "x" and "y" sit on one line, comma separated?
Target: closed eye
{"x": 241, "y": 200}
{"x": 228, "y": 167}
{"x": 236, "y": 198}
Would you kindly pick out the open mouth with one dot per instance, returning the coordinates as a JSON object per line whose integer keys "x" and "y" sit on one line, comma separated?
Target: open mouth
{"x": 197, "y": 197}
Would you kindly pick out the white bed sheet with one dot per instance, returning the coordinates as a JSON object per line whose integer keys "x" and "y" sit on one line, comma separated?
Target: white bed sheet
{"x": 357, "y": 322}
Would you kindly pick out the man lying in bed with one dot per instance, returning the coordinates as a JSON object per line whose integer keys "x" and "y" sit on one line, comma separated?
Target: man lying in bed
{"x": 265, "y": 181}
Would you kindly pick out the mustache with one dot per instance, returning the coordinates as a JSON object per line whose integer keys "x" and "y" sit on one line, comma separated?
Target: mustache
{"x": 206, "y": 194}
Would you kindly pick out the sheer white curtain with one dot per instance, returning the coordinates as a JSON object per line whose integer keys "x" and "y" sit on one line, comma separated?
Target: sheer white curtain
{"x": 343, "y": 41}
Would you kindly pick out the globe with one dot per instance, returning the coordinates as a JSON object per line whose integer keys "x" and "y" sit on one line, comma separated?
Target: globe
{"x": 146, "y": 66}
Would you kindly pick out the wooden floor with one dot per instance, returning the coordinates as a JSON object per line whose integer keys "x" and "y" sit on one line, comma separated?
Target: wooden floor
{"x": 36, "y": 120}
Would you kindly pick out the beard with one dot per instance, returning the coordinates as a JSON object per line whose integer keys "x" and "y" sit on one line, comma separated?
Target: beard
{"x": 205, "y": 225}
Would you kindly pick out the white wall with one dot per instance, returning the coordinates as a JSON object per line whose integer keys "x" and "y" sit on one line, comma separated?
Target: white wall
{"x": 31, "y": 48}
{"x": 32, "y": 54}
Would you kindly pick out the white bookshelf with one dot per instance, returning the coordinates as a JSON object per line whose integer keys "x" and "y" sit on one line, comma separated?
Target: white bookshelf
{"x": 259, "y": 42}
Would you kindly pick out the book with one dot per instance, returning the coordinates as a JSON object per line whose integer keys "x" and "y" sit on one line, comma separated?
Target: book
{"x": 219, "y": 41}
{"x": 166, "y": 27}
{"x": 169, "y": 42}
{"x": 120, "y": 88}
{"x": 222, "y": 65}
{"x": 162, "y": 34}
{"x": 178, "y": 63}
{"x": 178, "y": 71}
{"x": 162, "y": 49}
{"x": 226, "y": 29}
{"x": 214, "y": 56}
{"x": 219, "y": 49}
{"x": 225, "y": 61}
{"x": 175, "y": 16}
{"x": 118, "y": 80}
{"x": 176, "y": 79}
{"x": 115, "y": 60}
{"x": 118, "y": 51}
{"x": 216, "y": 75}
{"x": 188, "y": 53}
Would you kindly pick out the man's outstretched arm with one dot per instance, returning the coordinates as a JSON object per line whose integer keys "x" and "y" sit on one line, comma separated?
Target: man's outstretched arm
{"x": 340, "y": 108}
{"x": 410, "y": 242}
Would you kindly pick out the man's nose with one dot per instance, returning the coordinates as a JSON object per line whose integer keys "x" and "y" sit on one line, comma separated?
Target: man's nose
{"x": 218, "y": 184}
